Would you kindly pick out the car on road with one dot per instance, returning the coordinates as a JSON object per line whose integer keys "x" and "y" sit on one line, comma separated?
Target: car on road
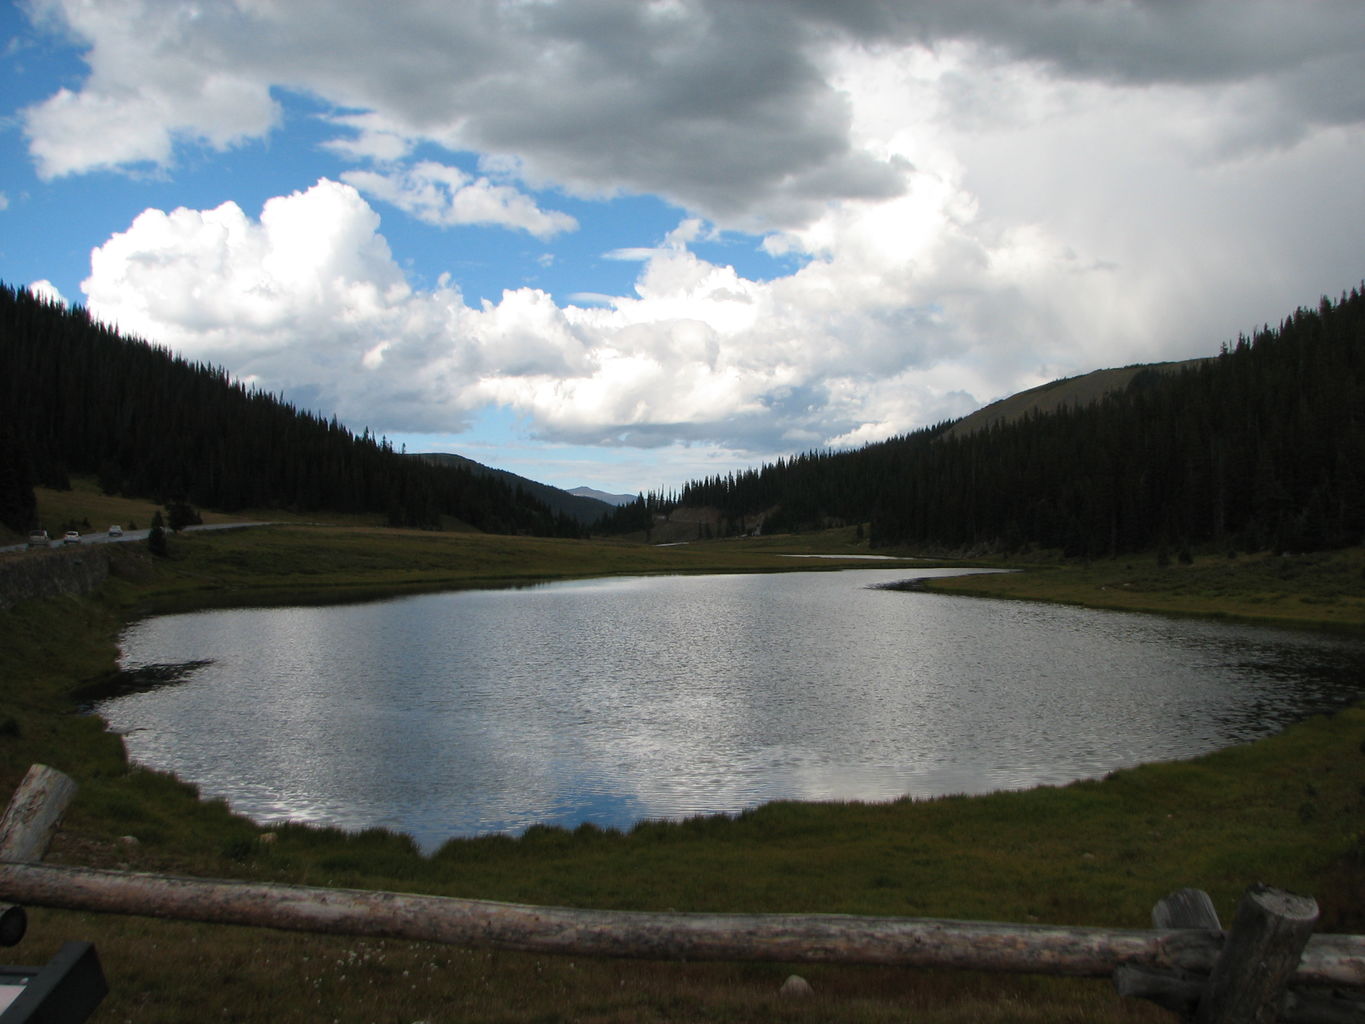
{"x": 39, "y": 539}
{"x": 71, "y": 537}
{"x": 116, "y": 530}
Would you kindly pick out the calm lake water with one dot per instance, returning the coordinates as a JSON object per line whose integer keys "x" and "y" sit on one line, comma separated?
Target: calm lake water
{"x": 616, "y": 700}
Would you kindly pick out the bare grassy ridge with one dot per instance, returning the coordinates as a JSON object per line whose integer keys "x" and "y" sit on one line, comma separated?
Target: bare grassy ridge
{"x": 1058, "y": 394}
{"x": 1286, "y": 810}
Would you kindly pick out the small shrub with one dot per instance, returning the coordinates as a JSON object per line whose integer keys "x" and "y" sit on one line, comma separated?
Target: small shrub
{"x": 156, "y": 539}
{"x": 493, "y": 847}
{"x": 238, "y": 848}
{"x": 546, "y": 837}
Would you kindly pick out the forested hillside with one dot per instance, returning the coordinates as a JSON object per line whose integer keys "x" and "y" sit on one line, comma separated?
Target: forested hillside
{"x": 1260, "y": 448}
{"x": 78, "y": 398}
{"x": 580, "y": 509}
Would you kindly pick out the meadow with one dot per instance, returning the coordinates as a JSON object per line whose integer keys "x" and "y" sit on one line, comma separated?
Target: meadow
{"x": 1285, "y": 811}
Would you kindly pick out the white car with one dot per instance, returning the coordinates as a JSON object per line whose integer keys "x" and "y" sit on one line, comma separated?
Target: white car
{"x": 71, "y": 537}
{"x": 116, "y": 530}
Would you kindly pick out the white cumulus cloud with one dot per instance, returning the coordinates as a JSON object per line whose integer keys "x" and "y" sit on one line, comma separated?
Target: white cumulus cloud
{"x": 444, "y": 195}
{"x": 155, "y": 79}
{"x": 974, "y": 197}
{"x": 308, "y": 299}
{"x": 47, "y": 291}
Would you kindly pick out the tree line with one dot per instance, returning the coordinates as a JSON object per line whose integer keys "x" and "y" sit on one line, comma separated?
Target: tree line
{"x": 78, "y": 398}
{"x": 1259, "y": 448}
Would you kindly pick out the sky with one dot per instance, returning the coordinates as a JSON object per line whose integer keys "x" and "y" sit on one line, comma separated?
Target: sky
{"x": 630, "y": 243}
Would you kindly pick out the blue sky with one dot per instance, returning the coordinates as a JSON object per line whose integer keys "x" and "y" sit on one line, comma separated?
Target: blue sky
{"x": 625, "y": 243}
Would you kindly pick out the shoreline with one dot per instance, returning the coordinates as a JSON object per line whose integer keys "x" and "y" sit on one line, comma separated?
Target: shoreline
{"x": 1093, "y": 852}
{"x": 432, "y": 820}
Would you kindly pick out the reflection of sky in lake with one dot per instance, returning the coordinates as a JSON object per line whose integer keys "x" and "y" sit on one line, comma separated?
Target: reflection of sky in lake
{"x": 621, "y": 699}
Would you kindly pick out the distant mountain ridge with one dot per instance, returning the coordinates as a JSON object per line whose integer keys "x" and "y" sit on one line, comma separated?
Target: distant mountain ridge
{"x": 610, "y": 499}
{"x": 585, "y": 509}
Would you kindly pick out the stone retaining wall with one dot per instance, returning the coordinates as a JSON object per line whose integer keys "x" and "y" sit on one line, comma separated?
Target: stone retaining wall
{"x": 59, "y": 572}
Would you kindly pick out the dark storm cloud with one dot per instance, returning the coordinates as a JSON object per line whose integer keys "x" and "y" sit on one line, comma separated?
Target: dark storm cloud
{"x": 716, "y": 106}
{"x": 1306, "y": 57}
{"x": 723, "y": 107}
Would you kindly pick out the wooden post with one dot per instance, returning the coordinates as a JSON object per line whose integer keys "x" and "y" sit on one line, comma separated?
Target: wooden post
{"x": 34, "y": 813}
{"x": 1187, "y": 908}
{"x": 1261, "y": 954}
{"x": 1174, "y": 990}
{"x": 1184, "y": 991}
{"x": 26, "y": 830}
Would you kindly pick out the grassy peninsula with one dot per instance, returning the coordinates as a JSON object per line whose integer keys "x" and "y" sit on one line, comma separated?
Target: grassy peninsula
{"x": 1315, "y": 590}
{"x": 1286, "y": 810}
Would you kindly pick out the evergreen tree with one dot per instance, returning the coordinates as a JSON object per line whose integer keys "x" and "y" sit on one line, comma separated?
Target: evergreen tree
{"x": 156, "y": 537}
{"x": 1259, "y": 448}
{"x": 180, "y": 514}
{"x": 80, "y": 398}
{"x": 18, "y": 505}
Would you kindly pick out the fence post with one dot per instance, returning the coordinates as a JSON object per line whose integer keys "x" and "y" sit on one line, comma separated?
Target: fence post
{"x": 72, "y": 984}
{"x": 34, "y": 813}
{"x": 1187, "y": 908}
{"x": 26, "y": 829}
{"x": 1174, "y": 990}
{"x": 1260, "y": 955}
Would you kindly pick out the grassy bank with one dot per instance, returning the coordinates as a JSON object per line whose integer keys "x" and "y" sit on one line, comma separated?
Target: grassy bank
{"x": 1285, "y": 810}
{"x": 1323, "y": 590}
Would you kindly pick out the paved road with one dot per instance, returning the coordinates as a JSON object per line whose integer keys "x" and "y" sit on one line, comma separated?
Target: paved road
{"x": 130, "y": 535}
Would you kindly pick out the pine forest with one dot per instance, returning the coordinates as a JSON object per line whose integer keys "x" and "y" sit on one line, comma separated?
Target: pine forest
{"x": 1259, "y": 448}
{"x": 78, "y": 398}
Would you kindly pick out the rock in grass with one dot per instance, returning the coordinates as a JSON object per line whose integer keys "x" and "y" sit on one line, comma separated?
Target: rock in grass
{"x": 795, "y": 987}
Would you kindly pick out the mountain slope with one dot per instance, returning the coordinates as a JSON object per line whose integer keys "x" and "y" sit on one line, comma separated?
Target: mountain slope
{"x": 76, "y": 397}
{"x": 1060, "y": 394}
{"x": 1261, "y": 447}
{"x": 610, "y": 499}
{"x": 581, "y": 509}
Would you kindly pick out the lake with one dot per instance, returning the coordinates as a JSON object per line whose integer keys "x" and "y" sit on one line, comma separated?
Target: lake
{"x": 616, "y": 700}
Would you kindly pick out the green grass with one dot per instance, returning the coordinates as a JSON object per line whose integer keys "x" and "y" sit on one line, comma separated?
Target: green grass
{"x": 1286, "y": 810}
{"x": 332, "y": 563}
{"x": 1318, "y": 590}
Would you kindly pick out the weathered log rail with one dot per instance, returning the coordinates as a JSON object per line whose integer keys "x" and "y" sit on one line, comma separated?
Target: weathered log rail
{"x": 1188, "y": 963}
{"x": 903, "y": 942}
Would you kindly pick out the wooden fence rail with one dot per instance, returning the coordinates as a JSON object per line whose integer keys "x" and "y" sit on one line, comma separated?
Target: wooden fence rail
{"x": 1191, "y": 965}
{"x": 904, "y": 942}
